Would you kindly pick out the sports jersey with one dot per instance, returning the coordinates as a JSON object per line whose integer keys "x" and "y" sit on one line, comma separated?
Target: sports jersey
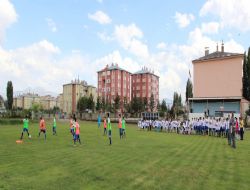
{"x": 26, "y": 123}
{"x": 77, "y": 128}
{"x": 123, "y": 124}
{"x": 42, "y": 124}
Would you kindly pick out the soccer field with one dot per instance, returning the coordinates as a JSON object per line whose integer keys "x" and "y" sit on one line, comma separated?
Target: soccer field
{"x": 144, "y": 160}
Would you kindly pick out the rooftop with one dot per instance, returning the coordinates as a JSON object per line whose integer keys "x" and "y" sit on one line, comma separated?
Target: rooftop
{"x": 145, "y": 70}
{"x": 217, "y": 55}
{"x": 112, "y": 67}
{"x": 77, "y": 81}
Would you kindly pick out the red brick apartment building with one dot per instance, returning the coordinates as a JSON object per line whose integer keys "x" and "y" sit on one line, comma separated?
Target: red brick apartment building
{"x": 145, "y": 83}
{"x": 113, "y": 80}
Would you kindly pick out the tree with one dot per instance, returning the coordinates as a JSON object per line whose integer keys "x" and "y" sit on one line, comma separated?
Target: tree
{"x": 177, "y": 106}
{"x": 246, "y": 76}
{"x": 109, "y": 107}
{"x": 98, "y": 104}
{"x": 9, "y": 95}
{"x": 134, "y": 105}
{"x": 189, "y": 90}
{"x": 55, "y": 109}
{"x": 179, "y": 101}
{"x": 125, "y": 104}
{"x": 158, "y": 106}
{"x": 145, "y": 104}
{"x": 163, "y": 106}
{"x": 103, "y": 104}
{"x": 91, "y": 103}
{"x": 36, "y": 107}
{"x": 152, "y": 103}
{"x": 82, "y": 104}
{"x": 1, "y": 101}
{"x": 117, "y": 103}
{"x": 140, "y": 104}
{"x": 174, "y": 106}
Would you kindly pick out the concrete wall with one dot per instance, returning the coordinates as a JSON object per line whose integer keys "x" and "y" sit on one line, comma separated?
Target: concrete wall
{"x": 67, "y": 98}
{"x": 218, "y": 78}
{"x": 18, "y": 102}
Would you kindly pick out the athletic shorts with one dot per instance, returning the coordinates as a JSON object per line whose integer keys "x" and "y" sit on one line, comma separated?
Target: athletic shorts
{"x": 43, "y": 130}
{"x": 76, "y": 137}
{"x": 25, "y": 129}
{"x": 72, "y": 131}
{"x": 109, "y": 133}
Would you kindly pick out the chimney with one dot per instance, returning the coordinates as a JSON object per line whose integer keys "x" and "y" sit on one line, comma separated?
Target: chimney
{"x": 222, "y": 46}
{"x": 206, "y": 51}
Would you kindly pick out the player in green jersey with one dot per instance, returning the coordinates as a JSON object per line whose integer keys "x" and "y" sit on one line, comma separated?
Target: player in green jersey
{"x": 54, "y": 126}
{"x": 25, "y": 127}
{"x": 123, "y": 127}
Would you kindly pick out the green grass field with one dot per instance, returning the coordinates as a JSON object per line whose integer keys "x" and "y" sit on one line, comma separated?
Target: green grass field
{"x": 144, "y": 160}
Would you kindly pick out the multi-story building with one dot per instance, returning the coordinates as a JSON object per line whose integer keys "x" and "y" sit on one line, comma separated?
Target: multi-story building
{"x": 73, "y": 91}
{"x": 18, "y": 102}
{"x": 48, "y": 102}
{"x": 2, "y": 107}
{"x": 144, "y": 84}
{"x": 26, "y": 101}
{"x": 59, "y": 101}
{"x": 217, "y": 79}
{"x": 113, "y": 81}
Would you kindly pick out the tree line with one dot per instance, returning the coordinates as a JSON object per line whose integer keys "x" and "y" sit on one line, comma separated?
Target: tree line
{"x": 246, "y": 76}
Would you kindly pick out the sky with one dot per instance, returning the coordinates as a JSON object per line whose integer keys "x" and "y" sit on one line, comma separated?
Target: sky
{"x": 45, "y": 44}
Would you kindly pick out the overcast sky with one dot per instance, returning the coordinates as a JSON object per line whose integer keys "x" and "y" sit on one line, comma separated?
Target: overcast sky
{"x": 44, "y": 43}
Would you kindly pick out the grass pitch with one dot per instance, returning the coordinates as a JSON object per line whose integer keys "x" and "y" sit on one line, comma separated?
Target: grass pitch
{"x": 144, "y": 160}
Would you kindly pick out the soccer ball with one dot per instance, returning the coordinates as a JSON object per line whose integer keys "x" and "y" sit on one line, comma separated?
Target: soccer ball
{"x": 30, "y": 136}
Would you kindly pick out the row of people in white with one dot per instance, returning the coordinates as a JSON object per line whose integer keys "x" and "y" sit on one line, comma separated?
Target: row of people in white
{"x": 195, "y": 125}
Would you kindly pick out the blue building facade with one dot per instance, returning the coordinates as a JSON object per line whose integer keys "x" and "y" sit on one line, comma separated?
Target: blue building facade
{"x": 214, "y": 107}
